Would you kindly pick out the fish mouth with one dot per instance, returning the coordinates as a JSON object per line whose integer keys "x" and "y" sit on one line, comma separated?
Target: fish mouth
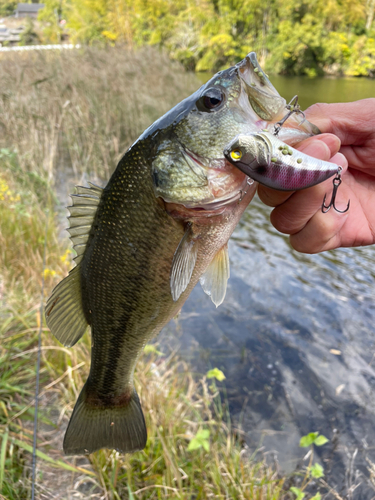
{"x": 265, "y": 100}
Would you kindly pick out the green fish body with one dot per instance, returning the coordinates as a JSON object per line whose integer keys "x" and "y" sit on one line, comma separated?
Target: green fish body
{"x": 143, "y": 242}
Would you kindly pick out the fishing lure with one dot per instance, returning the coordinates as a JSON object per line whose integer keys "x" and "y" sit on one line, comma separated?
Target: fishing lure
{"x": 265, "y": 158}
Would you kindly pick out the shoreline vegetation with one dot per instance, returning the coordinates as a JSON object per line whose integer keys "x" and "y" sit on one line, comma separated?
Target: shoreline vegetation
{"x": 63, "y": 116}
{"x": 294, "y": 37}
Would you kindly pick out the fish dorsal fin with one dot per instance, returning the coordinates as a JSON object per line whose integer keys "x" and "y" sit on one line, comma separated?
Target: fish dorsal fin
{"x": 82, "y": 213}
{"x": 214, "y": 280}
{"x": 183, "y": 264}
{"x": 64, "y": 312}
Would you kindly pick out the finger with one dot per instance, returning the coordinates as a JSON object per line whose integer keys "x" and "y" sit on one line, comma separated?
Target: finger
{"x": 352, "y": 122}
{"x": 330, "y": 140}
{"x": 322, "y": 147}
{"x": 324, "y": 230}
{"x": 292, "y": 216}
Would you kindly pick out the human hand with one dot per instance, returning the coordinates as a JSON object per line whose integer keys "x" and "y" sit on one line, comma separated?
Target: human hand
{"x": 299, "y": 213}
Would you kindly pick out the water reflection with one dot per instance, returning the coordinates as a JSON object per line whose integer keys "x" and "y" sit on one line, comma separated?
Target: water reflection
{"x": 295, "y": 339}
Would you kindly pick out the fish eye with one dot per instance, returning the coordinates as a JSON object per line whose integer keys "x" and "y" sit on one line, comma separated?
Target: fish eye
{"x": 211, "y": 100}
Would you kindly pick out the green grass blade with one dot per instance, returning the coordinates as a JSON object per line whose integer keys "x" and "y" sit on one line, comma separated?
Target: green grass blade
{"x": 56, "y": 463}
{"x": 2, "y": 457}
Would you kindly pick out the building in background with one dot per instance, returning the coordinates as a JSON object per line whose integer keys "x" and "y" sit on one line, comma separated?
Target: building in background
{"x": 9, "y": 36}
{"x": 28, "y": 9}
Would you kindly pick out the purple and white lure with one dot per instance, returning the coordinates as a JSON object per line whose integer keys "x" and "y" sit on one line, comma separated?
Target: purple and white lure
{"x": 265, "y": 158}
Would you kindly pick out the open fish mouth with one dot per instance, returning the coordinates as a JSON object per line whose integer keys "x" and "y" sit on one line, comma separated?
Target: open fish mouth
{"x": 267, "y": 103}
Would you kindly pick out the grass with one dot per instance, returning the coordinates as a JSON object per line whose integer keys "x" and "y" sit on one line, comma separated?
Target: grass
{"x": 64, "y": 115}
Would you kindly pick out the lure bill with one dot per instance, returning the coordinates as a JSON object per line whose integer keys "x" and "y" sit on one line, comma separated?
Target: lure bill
{"x": 271, "y": 162}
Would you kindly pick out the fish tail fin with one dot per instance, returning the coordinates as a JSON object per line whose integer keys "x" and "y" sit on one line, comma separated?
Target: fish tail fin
{"x": 115, "y": 423}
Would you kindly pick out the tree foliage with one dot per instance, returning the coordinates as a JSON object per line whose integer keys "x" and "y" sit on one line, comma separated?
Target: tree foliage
{"x": 290, "y": 36}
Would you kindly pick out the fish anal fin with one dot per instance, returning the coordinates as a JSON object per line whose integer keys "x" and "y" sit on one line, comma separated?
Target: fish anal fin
{"x": 116, "y": 423}
{"x": 64, "y": 313}
{"x": 183, "y": 264}
{"x": 214, "y": 280}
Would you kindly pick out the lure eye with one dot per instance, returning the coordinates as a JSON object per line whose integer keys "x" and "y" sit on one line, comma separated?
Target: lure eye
{"x": 236, "y": 154}
{"x": 211, "y": 100}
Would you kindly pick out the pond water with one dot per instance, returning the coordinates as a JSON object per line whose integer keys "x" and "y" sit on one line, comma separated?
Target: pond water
{"x": 295, "y": 336}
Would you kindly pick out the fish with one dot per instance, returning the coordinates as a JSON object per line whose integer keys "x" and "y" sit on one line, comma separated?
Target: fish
{"x": 160, "y": 225}
{"x": 271, "y": 162}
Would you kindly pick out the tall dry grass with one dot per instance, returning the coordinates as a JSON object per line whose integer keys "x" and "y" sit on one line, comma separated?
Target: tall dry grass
{"x": 84, "y": 107}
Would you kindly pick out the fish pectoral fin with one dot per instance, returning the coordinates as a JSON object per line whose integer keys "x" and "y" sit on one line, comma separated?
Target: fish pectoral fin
{"x": 118, "y": 424}
{"x": 183, "y": 264}
{"x": 64, "y": 313}
{"x": 214, "y": 280}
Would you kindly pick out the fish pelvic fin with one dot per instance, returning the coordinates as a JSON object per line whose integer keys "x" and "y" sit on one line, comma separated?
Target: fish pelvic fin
{"x": 115, "y": 423}
{"x": 64, "y": 313}
{"x": 214, "y": 280}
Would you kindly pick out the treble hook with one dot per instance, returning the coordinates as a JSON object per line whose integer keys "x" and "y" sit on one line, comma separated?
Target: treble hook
{"x": 336, "y": 183}
{"x": 292, "y": 107}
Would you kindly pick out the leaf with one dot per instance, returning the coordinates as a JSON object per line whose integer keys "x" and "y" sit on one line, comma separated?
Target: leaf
{"x": 308, "y": 440}
{"x": 316, "y": 497}
{"x": 200, "y": 440}
{"x": 151, "y": 348}
{"x": 216, "y": 373}
{"x": 203, "y": 434}
{"x": 320, "y": 440}
{"x": 194, "y": 445}
{"x": 299, "y": 493}
{"x": 317, "y": 470}
{"x": 206, "y": 445}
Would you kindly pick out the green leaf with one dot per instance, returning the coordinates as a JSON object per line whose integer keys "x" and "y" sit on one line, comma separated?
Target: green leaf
{"x": 194, "y": 445}
{"x": 216, "y": 373}
{"x": 299, "y": 493}
{"x": 317, "y": 470}
{"x": 151, "y": 348}
{"x": 320, "y": 440}
{"x": 308, "y": 440}
{"x": 203, "y": 434}
{"x": 316, "y": 497}
{"x": 200, "y": 440}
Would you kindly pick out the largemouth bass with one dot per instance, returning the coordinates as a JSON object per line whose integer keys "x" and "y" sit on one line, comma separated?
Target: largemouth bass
{"x": 162, "y": 223}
